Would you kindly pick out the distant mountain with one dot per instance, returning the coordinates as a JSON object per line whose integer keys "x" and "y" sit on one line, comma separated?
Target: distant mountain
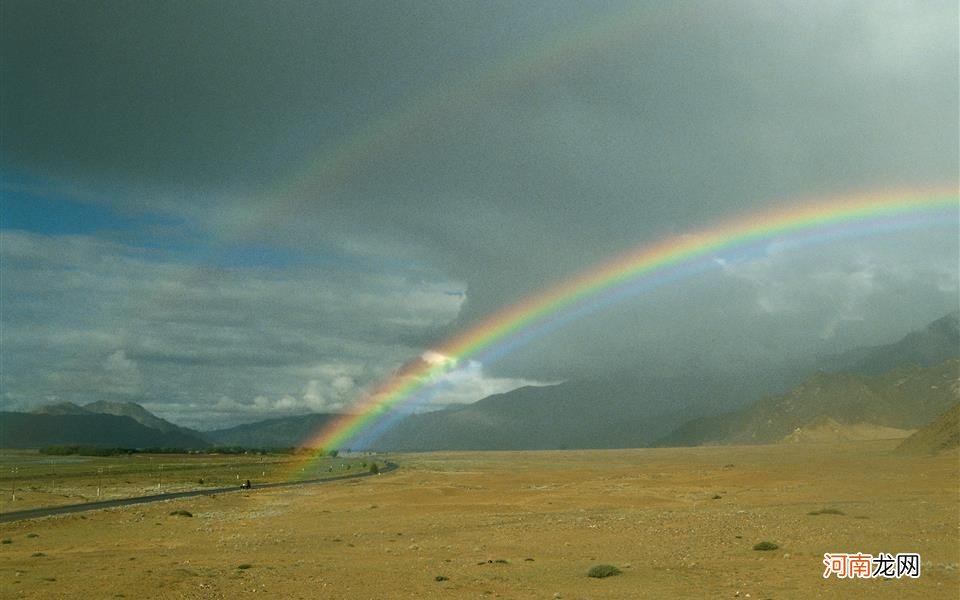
{"x": 61, "y": 408}
{"x": 905, "y": 398}
{"x": 284, "y": 432}
{"x": 937, "y": 342}
{"x": 617, "y": 412}
{"x": 942, "y": 434}
{"x": 138, "y": 414}
{"x": 31, "y": 430}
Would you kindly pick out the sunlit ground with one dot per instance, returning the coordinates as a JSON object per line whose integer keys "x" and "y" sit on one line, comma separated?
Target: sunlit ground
{"x": 676, "y": 522}
{"x": 29, "y": 479}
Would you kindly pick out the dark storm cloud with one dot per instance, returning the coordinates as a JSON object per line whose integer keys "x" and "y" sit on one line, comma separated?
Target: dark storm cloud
{"x": 215, "y": 94}
{"x": 505, "y": 145}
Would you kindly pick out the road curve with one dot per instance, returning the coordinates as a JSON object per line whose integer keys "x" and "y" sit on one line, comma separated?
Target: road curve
{"x": 36, "y": 513}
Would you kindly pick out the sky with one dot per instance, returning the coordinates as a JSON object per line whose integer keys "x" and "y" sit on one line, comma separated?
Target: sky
{"x": 229, "y": 211}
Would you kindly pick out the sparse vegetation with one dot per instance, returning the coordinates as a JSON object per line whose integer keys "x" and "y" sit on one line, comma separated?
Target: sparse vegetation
{"x": 601, "y": 571}
{"x": 296, "y": 555}
{"x": 113, "y": 451}
{"x": 441, "y": 578}
{"x": 6, "y": 541}
{"x": 765, "y": 546}
{"x": 41, "y": 480}
{"x": 181, "y": 513}
{"x": 244, "y": 566}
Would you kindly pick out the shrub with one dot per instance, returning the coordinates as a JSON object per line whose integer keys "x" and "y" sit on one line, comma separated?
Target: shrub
{"x": 827, "y": 511}
{"x": 181, "y": 513}
{"x": 374, "y": 468}
{"x": 244, "y": 566}
{"x": 765, "y": 546}
{"x": 601, "y": 571}
{"x": 441, "y": 578}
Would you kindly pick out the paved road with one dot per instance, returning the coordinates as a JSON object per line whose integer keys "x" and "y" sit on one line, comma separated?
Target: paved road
{"x": 36, "y": 513}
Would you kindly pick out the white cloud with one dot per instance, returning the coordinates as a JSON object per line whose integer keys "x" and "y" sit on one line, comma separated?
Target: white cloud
{"x": 830, "y": 287}
{"x": 466, "y": 382}
{"x": 86, "y": 319}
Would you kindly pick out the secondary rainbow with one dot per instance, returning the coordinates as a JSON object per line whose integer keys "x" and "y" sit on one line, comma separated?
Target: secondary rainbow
{"x": 829, "y": 217}
{"x": 419, "y": 116}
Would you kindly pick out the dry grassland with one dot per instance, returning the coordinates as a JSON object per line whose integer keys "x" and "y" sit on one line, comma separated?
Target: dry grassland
{"x": 679, "y": 523}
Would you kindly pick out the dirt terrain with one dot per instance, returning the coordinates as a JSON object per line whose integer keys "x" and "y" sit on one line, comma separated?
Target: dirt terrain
{"x": 30, "y": 480}
{"x": 677, "y": 522}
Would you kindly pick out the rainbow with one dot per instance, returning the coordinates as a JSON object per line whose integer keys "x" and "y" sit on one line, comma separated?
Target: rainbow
{"x": 417, "y": 116}
{"x": 669, "y": 259}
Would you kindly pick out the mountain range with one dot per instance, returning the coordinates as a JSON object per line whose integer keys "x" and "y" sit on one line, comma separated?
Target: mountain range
{"x": 902, "y": 385}
{"x": 632, "y": 410}
{"x": 878, "y": 391}
{"x": 33, "y": 430}
{"x": 935, "y": 343}
{"x": 285, "y": 432}
{"x": 905, "y": 398}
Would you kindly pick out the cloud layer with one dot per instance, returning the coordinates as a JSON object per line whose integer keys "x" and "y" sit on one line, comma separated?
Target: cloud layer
{"x": 402, "y": 169}
{"x": 86, "y": 319}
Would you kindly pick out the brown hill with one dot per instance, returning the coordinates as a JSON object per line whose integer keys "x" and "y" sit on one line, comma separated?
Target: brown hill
{"x": 826, "y": 429}
{"x": 942, "y": 434}
{"x": 905, "y": 398}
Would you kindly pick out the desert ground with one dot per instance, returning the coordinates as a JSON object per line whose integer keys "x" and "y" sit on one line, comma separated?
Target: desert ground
{"x": 679, "y": 523}
{"x": 30, "y": 480}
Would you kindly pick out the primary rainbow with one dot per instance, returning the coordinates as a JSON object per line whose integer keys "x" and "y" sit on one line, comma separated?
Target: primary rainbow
{"x": 668, "y": 259}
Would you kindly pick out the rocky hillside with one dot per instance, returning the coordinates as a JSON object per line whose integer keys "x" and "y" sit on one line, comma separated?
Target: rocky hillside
{"x": 937, "y": 342}
{"x": 942, "y": 434}
{"x": 905, "y": 398}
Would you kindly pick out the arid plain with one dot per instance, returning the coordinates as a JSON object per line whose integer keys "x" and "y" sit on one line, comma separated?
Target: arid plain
{"x": 678, "y": 522}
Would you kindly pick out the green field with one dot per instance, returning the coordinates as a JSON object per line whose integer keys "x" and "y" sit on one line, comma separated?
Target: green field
{"x": 29, "y": 479}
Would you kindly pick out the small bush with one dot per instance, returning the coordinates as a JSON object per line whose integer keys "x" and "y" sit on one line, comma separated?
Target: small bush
{"x": 33, "y": 535}
{"x": 374, "y": 468}
{"x": 827, "y": 511}
{"x": 601, "y": 571}
{"x": 181, "y": 513}
{"x": 6, "y": 541}
{"x": 441, "y": 578}
{"x": 765, "y": 546}
{"x": 244, "y": 566}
